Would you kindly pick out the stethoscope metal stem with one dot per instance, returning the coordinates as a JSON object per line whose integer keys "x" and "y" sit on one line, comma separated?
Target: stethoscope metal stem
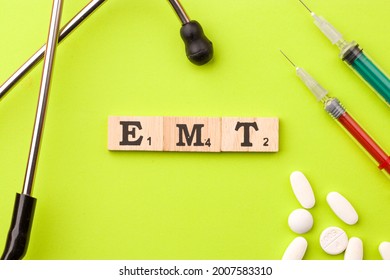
{"x": 33, "y": 60}
{"x": 181, "y": 13}
{"x": 43, "y": 96}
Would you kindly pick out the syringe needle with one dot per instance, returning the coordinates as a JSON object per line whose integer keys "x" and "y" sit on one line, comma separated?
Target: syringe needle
{"x": 288, "y": 58}
{"x": 353, "y": 55}
{"x": 338, "y": 112}
{"x": 318, "y": 91}
{"x": 305, "y": 6}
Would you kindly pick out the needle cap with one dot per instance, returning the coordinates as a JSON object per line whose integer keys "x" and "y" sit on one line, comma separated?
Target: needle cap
{"x": 329, "y": 31}
{"x": 318, "y": 91}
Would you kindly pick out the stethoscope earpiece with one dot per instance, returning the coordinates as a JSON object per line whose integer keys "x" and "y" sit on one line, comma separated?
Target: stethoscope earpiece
{"x": 19, "y": 233}
{"x": 199, "y": 49}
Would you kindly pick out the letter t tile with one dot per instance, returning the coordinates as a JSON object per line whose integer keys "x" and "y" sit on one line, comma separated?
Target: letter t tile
{"x": 250, "y": 134}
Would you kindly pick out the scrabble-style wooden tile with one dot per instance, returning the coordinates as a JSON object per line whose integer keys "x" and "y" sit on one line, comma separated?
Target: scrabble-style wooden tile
{"x": 135, "y": 133}
{"x": 250, "y": 134}
{"x": 192, "y": 134}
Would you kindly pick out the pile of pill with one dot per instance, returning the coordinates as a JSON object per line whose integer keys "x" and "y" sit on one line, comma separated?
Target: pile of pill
{"x": 333, "y": 240}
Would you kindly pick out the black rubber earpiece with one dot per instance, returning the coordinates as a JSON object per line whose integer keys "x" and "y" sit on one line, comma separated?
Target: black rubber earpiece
{"x": 19, "y": 233}
{"x": 199, "y": 48}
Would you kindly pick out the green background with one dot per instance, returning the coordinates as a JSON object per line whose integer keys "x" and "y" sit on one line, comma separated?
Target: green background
{"x": 128, "y": 59}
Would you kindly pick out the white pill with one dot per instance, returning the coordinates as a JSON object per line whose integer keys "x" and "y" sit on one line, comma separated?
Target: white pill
{"x": 302, "y": 189}
{"x": 342, "y": 208}
{"x": 354, "y": 249}
{"x": 333, "y": 240}
{"x": 296, "y": 250}
{"x": 384, "y": 250}
{"x": 300, "y": 221}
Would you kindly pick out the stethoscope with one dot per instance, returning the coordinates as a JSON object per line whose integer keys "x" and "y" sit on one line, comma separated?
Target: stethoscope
{"x": 199, "y": 50}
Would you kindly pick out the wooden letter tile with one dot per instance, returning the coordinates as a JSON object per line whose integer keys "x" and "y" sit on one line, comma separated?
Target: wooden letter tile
{"x": 250, "y": 134}
{"x": 192, "y": 134}
{"x": 135, "y": 133}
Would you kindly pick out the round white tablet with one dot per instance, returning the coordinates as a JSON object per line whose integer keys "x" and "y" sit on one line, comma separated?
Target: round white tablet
{"x": 384, "y": 250}
{"x": 296, "y": 249}
{"x": 333, "y": 240}
{"x": 302, "y": 189}
{"x": 300, "y": 221}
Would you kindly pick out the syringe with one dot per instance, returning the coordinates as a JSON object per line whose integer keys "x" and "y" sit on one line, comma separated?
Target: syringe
{"x": 353, "y": 55}
{"x": 336, "y": 110}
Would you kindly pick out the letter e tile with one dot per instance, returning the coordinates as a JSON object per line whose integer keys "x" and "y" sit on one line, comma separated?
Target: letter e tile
{"x": 135, "y": 133}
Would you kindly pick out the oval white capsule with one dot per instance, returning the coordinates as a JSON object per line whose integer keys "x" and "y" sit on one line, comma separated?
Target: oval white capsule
{"x": 354, "y": 249}
{"x": 302, "y": 189}
{"x": 296, "y": 249}
{"x": 300, "y": 221}
{"x": 342, "y": 208}
{"x": 333, "y": 240}
{"x": 384, "y": 250}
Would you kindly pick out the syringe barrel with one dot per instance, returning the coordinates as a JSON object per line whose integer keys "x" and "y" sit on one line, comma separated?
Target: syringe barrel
{"x": 363, "y": 65}
{"x": 366, "y": 141}
{"x": 337, "y": 111}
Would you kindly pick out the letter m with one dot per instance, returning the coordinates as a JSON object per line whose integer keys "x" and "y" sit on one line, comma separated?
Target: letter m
{"x": 189, "y": 138}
